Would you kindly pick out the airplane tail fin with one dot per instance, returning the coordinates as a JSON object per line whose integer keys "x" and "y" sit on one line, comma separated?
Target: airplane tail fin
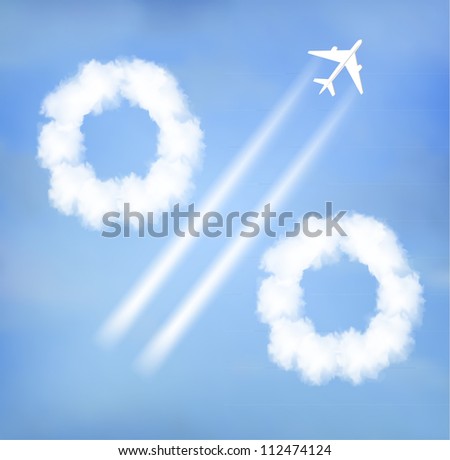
{"x": 325, "y": 85}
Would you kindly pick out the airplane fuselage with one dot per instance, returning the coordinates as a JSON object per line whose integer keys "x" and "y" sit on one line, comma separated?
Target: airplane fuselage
{"x": 341, "y": 66}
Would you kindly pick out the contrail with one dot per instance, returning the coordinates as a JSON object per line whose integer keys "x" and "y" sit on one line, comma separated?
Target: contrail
{"x": 147, "y": 286}
{"x": 161, "y": 345}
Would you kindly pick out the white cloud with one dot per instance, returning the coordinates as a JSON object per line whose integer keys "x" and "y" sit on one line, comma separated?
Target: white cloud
{"x": 74, "y": 187}
{"x": 352, "y": 355}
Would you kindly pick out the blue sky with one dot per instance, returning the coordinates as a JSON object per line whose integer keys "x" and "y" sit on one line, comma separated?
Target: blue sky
{"x": 234, "y": 60}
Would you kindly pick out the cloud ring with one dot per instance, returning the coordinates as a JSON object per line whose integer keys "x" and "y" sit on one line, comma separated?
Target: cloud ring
{"x": 74, "y": 187}
{"x": 350, "y": 355}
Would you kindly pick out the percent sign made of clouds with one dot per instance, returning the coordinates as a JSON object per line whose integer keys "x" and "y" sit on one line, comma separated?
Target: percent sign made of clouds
{"x": 75, "y": 189}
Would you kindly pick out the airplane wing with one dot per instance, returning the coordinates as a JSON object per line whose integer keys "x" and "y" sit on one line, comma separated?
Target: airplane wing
{"x": 332, "y": 55}
{"x": 353, "y": 69}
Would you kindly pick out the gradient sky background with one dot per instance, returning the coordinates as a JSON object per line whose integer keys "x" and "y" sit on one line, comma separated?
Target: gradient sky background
{"x": 234, "y": 60}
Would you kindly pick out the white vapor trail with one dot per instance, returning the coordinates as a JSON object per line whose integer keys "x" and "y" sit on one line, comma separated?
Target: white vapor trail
{"x": 147, "y": 286}
{"x": 161, "y": 345}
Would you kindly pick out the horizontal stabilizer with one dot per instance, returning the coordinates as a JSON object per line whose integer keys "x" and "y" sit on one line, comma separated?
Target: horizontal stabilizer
{"x": 326, "y": 84}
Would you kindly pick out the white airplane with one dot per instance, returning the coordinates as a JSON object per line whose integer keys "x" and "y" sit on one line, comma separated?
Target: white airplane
{"x": 347, "y": 59}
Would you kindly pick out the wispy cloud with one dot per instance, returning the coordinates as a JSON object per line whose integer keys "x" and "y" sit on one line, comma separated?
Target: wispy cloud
{"x": 351, "y": 355}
